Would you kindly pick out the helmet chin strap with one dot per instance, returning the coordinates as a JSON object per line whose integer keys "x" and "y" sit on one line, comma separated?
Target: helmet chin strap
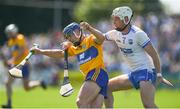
{"x": 121, "y": 29}
{"x": 77, "y": 43}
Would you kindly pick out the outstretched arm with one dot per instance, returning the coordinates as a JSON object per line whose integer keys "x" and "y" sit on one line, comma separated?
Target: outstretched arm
{"x": 54, "y": 53}
{"x": 99, "y": 35}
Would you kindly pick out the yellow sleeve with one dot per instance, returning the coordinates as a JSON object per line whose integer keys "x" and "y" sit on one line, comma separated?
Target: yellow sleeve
{"x": 91, "y": 40}
{"x": 71, "y": 51}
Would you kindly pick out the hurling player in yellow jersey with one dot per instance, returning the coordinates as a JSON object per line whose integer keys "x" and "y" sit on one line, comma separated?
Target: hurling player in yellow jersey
{"x": 89, "y": 54}
{"x": 18, "y": 51}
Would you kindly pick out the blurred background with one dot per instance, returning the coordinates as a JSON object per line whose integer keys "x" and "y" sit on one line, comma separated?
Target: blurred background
{"x": 42, "y": 21}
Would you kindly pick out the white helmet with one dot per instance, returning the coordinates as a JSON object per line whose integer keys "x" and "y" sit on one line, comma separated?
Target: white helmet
{"x": 122, "y": 12}
{"x": 11, "y": 28}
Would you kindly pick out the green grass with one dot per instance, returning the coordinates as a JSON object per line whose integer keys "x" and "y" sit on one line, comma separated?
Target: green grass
{"x": 38, "y": 98}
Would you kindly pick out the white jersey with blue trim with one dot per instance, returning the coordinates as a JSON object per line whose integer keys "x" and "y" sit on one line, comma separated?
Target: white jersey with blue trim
{"x": 132, "y": 46}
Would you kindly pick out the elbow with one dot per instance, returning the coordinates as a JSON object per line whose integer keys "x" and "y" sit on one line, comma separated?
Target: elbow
{"x": 101, "y": 39}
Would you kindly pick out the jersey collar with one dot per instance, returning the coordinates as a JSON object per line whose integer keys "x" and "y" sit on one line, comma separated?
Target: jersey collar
{"x": 128, "y": 31}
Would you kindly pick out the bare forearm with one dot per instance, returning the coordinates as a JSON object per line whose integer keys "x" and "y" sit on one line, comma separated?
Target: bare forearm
{"x": 54, "y": 53}
{"x": 157, "y": 64}
{"x": 100, "y": 37}
{"x": 155, "y": 57}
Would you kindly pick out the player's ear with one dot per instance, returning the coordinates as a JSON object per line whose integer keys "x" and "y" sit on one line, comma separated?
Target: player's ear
{"x": 126, "y": 19}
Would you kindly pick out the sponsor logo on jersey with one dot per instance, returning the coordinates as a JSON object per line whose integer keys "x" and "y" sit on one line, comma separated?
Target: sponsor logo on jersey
{"x": 126, "y": 50}
{"x": 87, "y": 55}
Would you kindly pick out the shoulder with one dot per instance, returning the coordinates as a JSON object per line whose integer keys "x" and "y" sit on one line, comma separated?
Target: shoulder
{"x": 137, "y": 31}
{"x": 91, "y": 40}
{"x": 21, "y": 41}
{"x": 20, "y": 37}
{"x": 112, "y": 35}
{"x": 112, "y": 32}
{"x": 141, "y": 34}
{"x": 89, "y": 37}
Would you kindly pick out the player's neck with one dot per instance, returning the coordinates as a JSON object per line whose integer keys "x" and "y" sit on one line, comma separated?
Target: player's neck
{"x": 126, "y": 30}
{"x": 81, "y": 40}
{"x": 13, "y": 38}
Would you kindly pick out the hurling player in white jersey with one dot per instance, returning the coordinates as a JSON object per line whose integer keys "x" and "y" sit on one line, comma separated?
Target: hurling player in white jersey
{"x": 139, "y": 54}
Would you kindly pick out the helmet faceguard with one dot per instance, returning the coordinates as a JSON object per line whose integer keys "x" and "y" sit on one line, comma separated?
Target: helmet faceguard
{"x": 123, "y": 12}
{"x": 69, "y": 31}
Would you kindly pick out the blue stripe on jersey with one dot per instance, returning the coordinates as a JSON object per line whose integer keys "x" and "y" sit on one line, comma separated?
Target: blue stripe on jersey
{"x": 145, "y": 43}
{"x": 87, "y": 55}
{"x": 133, "y": 29}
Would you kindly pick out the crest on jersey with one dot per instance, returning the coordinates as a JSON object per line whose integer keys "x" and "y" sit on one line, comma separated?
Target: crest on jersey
{"x": 130, "y": 41}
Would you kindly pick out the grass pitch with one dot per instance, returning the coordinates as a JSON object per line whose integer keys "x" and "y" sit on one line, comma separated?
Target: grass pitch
{"x": 38, "y": 98}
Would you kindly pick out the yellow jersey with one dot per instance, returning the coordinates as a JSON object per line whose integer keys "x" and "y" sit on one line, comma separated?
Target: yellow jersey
{"x": 14, "y": 45}
{"x": 89, "y": 54}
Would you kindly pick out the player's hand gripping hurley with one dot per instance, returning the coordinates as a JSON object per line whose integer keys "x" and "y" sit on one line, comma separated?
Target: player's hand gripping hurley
{"x": 161, "y": 79}
{"x": 66, "y": 88}
{"x": 17, "y": 70}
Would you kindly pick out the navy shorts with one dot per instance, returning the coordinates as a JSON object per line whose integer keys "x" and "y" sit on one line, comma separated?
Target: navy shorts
{"x": 25, "y": 71}
{"x": 101, "y": 78}
{"x": 142, "y": 75}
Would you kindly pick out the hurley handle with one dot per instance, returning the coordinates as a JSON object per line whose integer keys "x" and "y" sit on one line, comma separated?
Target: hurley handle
{"x": 66, "y": 63}
{"x": 27, "y": 57}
